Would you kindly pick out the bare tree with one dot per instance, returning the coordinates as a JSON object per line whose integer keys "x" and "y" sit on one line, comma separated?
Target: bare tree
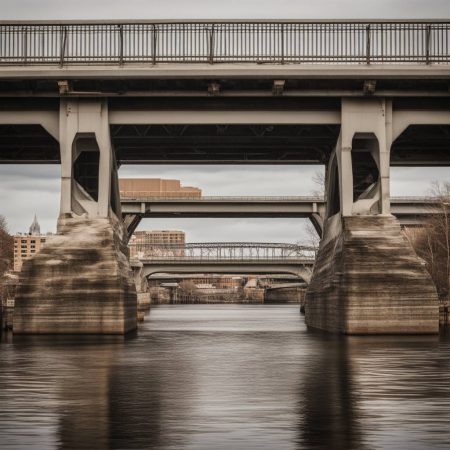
{"x": 432, "y": 242}
{"x": 319, "y": 180}
{"x": 6, "y": 258}
{"x": 6, "y": 246}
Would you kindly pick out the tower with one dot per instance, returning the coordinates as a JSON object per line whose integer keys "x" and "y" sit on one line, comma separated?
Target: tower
{"x": 35, "y": 228}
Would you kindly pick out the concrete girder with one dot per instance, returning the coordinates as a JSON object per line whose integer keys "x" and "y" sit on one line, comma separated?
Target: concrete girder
{"x": 401, "y": 120}
{"x": 234, "y": 267}
{"x": 220, "y": 71}
{"x": 49, "y": 120}
{"x": 134, "y": 117}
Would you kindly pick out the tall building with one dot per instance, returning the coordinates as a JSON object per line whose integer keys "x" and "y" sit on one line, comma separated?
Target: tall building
{"x": 156, "y": 187}
{"x": 157, "y": 243}
{"x": 27, "y": 245}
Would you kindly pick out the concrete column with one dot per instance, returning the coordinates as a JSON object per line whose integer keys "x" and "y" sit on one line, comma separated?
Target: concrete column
{"x": 367, "y": 279}
{"x": 370, "y": 122}
{"x": 81, "y": 282}
{"x": 84, "y": 126}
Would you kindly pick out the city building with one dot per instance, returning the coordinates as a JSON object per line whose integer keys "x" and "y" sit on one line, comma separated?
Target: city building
{"x": 156, "y": 187}
{"x": 27, "y": 245}
{"x": 157, "y": 243}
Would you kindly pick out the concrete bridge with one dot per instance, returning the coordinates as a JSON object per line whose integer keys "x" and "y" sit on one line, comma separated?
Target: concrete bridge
{"x": 411, "y": 211}
{"x": 355, "y": 96}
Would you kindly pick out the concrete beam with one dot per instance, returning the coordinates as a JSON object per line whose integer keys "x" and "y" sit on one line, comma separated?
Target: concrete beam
{"x": 132, "y": 117}
{"x": 302, "y": 270}
{"x": 217, "y": 71}
{"x": 49, "y": 120}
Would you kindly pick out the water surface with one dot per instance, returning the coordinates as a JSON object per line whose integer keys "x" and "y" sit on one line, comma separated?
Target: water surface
{"x": 225, "y": 377}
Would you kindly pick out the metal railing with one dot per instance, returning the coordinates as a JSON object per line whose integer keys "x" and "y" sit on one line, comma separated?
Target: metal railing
{"x": 137, "y": 197}
{"x": 129, "y": 196}
{"x": 281, "y": 42}
{"x": 222, "y": 251}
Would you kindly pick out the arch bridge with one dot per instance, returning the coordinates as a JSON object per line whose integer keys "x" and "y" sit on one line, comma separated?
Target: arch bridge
{"x": 225, "y": 257}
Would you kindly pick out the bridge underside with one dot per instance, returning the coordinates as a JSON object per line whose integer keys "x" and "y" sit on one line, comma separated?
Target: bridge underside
{"x": 188, "y": 130}
{"x": 357, "y": 133}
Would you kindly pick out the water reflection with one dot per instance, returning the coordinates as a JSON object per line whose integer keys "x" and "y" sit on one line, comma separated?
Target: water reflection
{"x": 225, "y": 377}
{"x": 328, "y": 402}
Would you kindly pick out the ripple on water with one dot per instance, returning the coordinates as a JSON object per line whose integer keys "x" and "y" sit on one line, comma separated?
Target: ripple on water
{"x": 225, "y": 377}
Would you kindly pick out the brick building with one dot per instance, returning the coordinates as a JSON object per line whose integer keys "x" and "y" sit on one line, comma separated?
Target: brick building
{"x": 157, "y": 243}
{"x": 156, "y": 187}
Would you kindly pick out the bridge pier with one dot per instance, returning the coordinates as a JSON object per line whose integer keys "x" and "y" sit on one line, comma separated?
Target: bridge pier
{"x": 367, "y": 279}
{"x": 81, "y": 282}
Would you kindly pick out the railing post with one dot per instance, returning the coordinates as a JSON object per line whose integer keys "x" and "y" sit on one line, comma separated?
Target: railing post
{"x": 211, "y": 45}
{"x": 120, "y": 45}
{"x": 25, "y": 44}
{"x": 368, "y": 44}
{"x": 63, "y": 46}
{"x": 154, "y": 36}
{"x": 427, "y": 44}
{"x": 282, "y": 43}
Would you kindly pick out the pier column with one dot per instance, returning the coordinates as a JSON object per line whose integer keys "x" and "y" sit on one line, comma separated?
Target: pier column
{"x": 367, "y": 278}
{"x": 81, "y": 282}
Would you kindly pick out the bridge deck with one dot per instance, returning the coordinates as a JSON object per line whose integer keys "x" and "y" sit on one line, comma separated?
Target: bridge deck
{"x": 405, "y": 208}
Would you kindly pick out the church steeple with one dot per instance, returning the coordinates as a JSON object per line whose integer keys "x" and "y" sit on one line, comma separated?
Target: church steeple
{"x": 35, "y": 228}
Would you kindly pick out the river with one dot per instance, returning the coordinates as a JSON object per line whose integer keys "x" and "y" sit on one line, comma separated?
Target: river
{"x": 207, "y": 377}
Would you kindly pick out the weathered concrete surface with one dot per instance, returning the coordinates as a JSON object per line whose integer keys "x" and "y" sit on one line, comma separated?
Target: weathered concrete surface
{"x": 368, "y": 280}
{"x": 80, "y": 283}
{"x": 285, "y": 294}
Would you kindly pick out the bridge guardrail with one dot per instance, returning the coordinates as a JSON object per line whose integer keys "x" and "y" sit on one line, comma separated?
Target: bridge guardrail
{"x": 225, "y": 259}
{"x": 129, "y": 197}
{"x": 261, "y": 42}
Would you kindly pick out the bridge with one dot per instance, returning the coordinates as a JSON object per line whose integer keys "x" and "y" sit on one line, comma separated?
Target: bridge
{"x": 355, "y": 96}
{"x": 411, "y": 211}
{"x": 226, "y": 257}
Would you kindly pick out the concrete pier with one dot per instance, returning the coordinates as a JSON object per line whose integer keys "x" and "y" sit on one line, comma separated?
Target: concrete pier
{"x": 368, "y": 280}
{"x": 80, "y": 283}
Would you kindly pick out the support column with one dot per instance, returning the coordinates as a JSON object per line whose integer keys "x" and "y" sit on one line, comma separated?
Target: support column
{"x": 367, "y": 278}
{"x": 81, "y": 282}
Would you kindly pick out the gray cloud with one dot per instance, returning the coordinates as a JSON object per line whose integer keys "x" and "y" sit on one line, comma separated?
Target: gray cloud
{"x": 243, "y": 9}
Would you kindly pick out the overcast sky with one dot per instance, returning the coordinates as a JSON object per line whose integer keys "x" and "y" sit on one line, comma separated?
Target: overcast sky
{"x": 232, "y": 9}
{"x": 25, "y": 190}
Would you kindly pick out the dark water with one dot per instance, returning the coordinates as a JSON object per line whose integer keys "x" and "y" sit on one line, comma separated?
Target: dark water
{"x": 225, "y": 377}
